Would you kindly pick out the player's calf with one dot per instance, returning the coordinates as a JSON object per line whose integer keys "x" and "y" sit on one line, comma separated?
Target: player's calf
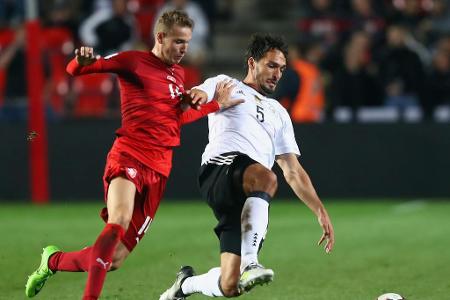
{"x": 119, "y": 257}
{"x": 229, "y": 287}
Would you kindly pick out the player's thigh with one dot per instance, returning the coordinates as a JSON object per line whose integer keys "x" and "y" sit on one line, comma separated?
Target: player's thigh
{"x": 120, "y": 201}
{"x": 229, "y": 273}
{"x": 146, "y": 204}
{"x": 217, "y": 186}
{"x": 222, "y": 185}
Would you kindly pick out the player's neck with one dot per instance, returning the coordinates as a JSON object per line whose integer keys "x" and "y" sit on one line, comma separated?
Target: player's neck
{"x": 158, "y": 53}
{"x": 248, "y": 81}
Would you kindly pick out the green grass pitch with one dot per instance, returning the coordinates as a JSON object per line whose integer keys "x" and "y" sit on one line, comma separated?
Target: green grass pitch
{"x": 381, "y": 246}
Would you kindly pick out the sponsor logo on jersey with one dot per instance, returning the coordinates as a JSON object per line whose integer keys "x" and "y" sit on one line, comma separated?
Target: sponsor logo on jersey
{"x": 132, "y": 172}
{"x": 171, "y": 78}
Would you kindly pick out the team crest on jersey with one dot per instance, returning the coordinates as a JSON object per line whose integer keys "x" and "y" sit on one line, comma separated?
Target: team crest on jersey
{"x": 132, "y": 172}
{"x": 171, "y": 78}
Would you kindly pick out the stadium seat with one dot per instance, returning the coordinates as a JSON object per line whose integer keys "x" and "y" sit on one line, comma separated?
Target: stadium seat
{"x": 91, "y": 95}
{"x": 6, "y": 37}
{"x": 145, "y": 13}
{"x": 192, "y": 76}
{"x": 58, "y": 45}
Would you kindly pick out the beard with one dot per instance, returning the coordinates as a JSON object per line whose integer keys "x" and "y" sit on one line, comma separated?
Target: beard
{"x": 266, "y": 90}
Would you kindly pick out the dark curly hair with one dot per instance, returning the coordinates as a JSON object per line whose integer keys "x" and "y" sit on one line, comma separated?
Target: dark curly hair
{"x": 260, "y": 44}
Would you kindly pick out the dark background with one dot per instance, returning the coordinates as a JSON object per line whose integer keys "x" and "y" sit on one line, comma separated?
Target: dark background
{"x": 343, "y": 160}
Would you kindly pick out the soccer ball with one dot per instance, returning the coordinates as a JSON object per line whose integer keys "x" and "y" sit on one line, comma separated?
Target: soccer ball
{"x": 391, "y": 296}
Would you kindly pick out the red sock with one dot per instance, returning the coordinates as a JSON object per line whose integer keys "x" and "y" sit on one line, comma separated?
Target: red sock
{"x": 101, "y": 259}
{"x": 76, "y": 261}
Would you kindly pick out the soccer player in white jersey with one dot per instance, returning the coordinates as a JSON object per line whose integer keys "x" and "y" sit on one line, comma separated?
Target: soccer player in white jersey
{"x": 237, "y": 180}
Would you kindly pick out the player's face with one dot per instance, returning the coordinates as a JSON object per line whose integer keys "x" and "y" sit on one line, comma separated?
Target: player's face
{"x": 175, "y": 44}
{"x": 268, "y": 70}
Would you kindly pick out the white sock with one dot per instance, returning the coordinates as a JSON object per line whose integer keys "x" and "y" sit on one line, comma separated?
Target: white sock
{"x": 254, "y": 220}
{"x": 207, "y": 284}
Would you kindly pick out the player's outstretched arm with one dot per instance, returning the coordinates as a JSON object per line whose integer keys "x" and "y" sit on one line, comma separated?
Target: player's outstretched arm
{"x": 301, "y": 184}
{"x": 196, "y": 97}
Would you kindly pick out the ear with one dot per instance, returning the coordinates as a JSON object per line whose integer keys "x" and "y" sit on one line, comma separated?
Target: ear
{"x": 251, "y": 63}
{"x": 159, "y": 37}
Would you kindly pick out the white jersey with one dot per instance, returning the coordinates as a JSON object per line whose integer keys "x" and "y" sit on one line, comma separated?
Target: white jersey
{"x": 260, "y": 127}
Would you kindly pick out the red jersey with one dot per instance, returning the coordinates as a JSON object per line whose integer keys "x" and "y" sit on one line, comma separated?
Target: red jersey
{"x": 150, "y": 93}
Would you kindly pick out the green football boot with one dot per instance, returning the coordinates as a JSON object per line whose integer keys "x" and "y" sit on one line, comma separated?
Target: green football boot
{"x": 253, "y": 275}
{"x": 37, "y": 280}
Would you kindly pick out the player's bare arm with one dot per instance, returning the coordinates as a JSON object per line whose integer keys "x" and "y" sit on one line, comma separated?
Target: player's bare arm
{"x": 301, "y": 184}
{"x": 85, "y": 56}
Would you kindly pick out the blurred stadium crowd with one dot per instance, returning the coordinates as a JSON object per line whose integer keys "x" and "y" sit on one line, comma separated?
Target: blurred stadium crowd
{"x": 351, "y": 60}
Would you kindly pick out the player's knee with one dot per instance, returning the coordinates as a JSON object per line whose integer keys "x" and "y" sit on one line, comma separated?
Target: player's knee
{"x": 260, "y": 179}
{"x": 272, "y": 181}
{"x": 229, "y": 287}
{"x": 267, "y": 182}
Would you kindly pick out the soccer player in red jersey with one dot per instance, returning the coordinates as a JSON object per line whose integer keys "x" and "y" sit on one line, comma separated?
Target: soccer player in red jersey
{"x": 154, "y": 105}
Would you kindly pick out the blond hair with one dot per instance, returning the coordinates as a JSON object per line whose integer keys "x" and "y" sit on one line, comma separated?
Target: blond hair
{"x": 173, "y": 18}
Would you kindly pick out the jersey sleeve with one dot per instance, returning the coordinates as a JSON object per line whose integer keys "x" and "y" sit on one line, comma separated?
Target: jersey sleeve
{"x": 285, "y": 141}
{"x": 192, "y": 115}
{"x": 209, "y": 86}
{"x": 116, "y": 63}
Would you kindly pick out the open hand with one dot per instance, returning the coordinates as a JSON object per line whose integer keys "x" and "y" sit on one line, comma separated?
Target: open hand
{"x": 223, "y": 95}
{"x": 85, "y": 56}
{"x": 328, "y": 231}
{"x": 194, "y": 98}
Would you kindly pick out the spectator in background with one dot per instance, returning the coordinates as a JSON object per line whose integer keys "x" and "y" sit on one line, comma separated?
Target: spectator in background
{"x": 437, "y": 23}
{"x": 321, "y": 21}
{"x": 12, "y": 12}
{"x": 110, "y": 30}
{"x": 12, "y": 59}
{"x": 12, "y": 62}
{"x": 300, "y": 90}
{"x": 409, "y": 13}
{"x": 354, "y": 84}
{"x": 438, "y": 81}
{"x": 364, "y": 17}
{"x": 198, "y": 46}
{"x": 60, "y": 13}
{"x": 401, "y": 70}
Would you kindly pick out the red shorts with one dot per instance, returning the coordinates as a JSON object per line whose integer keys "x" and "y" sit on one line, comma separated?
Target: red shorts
{"x": 150, "y": 187}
